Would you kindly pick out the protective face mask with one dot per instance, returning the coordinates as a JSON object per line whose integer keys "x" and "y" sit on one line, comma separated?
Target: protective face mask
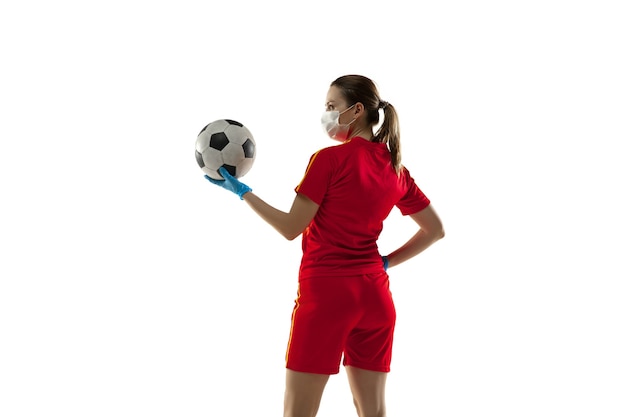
{"x": 331, "y": 125}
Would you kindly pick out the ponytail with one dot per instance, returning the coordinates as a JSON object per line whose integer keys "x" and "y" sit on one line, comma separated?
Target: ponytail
{"x": 389, "y": 133}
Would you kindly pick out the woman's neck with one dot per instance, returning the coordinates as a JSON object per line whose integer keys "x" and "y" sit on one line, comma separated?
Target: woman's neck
{"x": 365, "y": 133}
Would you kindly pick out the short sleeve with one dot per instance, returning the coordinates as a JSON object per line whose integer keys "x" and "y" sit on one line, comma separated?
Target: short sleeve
{"x": 413, "y": 200}
{"x": 316, "y": 178}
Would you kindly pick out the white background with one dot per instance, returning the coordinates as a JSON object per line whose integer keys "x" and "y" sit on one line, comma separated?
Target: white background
{"x": 132, "y": 287}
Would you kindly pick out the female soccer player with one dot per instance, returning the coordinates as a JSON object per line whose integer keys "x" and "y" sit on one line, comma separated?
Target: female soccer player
{"x": 344, "y": 307}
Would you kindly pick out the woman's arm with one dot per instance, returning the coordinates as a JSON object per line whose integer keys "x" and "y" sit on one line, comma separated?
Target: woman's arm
{"x": 430, "y": 231}
{"x": 291, "y": 224}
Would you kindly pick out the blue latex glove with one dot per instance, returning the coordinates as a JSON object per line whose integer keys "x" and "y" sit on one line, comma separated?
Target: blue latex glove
{"x": 230, "y": 183}
{"x": 385, "y": 262}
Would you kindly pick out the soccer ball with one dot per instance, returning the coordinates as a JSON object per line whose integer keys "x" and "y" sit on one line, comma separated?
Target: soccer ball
{"x": 225, "y": 143}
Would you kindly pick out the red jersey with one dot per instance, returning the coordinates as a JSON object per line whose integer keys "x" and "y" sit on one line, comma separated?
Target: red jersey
{"x": 356, "y": 187}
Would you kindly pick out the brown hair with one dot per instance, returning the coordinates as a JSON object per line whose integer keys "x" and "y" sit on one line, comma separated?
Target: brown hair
{"x": 357, "y": 88}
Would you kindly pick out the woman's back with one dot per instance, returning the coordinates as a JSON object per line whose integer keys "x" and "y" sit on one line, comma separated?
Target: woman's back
{"x": 356, "y": 187}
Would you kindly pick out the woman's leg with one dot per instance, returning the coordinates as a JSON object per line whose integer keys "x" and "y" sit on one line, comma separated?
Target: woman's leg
{"x": 303, "y": 393}
{"x": 368, "y": 391}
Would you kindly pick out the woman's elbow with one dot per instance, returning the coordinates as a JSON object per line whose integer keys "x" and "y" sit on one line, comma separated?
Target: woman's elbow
{"x": 291, "y": 234}
{"x": 292, "y": 230}
{"x": 437, "y": 233}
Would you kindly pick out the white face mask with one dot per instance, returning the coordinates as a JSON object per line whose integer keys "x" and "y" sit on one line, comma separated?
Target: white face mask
{"x": 331, "y": 125}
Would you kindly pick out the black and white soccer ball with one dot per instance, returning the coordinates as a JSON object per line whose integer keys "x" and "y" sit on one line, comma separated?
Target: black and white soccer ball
{"x": 225, "y": 143}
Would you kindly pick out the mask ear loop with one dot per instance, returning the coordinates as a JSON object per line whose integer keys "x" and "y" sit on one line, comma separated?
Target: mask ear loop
{"x": 348, "y": 124}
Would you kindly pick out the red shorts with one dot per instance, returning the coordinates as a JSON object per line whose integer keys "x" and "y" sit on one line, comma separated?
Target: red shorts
{"x": 334, "y": 316}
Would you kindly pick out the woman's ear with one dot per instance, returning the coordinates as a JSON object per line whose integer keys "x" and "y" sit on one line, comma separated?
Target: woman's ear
{"x": 359, "y": 109}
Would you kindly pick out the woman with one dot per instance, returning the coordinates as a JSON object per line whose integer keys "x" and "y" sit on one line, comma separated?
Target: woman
{"x": 344, "y": 307}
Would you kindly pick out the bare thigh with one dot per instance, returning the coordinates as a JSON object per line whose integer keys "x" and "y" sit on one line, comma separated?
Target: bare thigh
{"x": 303, "y": 393}
{"x": 368, "y": 391}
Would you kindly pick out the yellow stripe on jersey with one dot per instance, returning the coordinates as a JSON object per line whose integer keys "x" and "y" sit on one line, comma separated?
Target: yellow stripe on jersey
{"x": 307, "y": 169}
